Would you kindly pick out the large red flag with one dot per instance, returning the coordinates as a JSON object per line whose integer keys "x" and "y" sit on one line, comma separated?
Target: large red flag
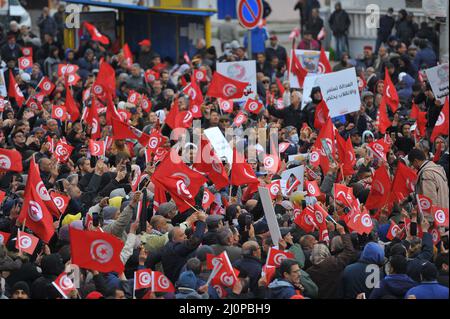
{"x": 276, "y": 256}
{"x": 305, "y": 219}
{"x": 10, "y": 160}
{"x": 123, "y": 131}
{"x": 380, "y": 148}
{"x": 361, "y": 222}
{"x": 95, "y": 34}
{"x": 94, "y": 120}
{"x": 327, "y": 133}
{"x": 107, "y": 77}
{"x": 390, "y": 92}
{"x": 71, "y": 105}
{"x": 96, "y": 250}
{"x": 321, "y": 115}
{"x": 414, "y": 111}
{"x": 298, "y": 69}
{"x": 34, "y": 210}
{"x": 380, "y": 189}
{"x": 225, "y": 87}
{"x": 324, "y": 64}
{"x": 346, "y": 153}
{"x": 441, "y": 126}
{"x": 383, "y": 120}
{"x": 241, "y": 172}
{"x": 403, "y": 184}
{"x": 14, "y": 90}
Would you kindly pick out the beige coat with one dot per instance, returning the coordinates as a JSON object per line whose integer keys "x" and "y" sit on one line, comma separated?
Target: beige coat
{"x": 432, "y": 182}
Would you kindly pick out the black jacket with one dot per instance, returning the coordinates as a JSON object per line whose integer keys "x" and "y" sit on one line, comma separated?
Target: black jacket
{"x": 289, "y": 115}
{"x": 52, "y": 266}
{"x": 252, "y": 266}
{"x": 314, "y": 25}
{"x": 339, "y": 22}
{"x": 386, "y": 25}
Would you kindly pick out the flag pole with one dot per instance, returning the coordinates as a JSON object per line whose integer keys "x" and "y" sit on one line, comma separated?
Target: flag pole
{"x": 134, "y": 286}
{"x": 191, "y": 206}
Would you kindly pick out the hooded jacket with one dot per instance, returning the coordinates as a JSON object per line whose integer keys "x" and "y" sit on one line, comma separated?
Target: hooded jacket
{"x": 52, "y": 266}
{"x": 432, "y": 182}
{"x": 355, "y": 275}
{"x": 393, "y": 285}
{"x": 429, "y": 290}
{"x": 405, "y": 93}
{"x": 281, "y": 289}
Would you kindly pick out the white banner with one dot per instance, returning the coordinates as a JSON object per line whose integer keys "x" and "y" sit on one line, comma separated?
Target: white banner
{"x": 3, "y": 89}
{"x": 435, "y": 8}
{"x": 310, "y": 61}
{"x": 340, "y": 92}
{"x": 438, "y": 78}
{"x": 269, "y": 212}
{"x": 309, "y": 83}
{"x": 244, "y": 71}
{"x": 219, "y": 143}
{"x": 298, "y": 172}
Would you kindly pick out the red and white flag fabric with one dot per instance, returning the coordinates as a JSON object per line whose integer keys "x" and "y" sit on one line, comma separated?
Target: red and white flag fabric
{"x": 123, "y": 131}
{"x": 67, "y": 69}
{"x": 347, "y": 155}
{"x": 200, "y": 76}
{"x": 128, "y": 56}
{"x": 160, "y": 283}
{"x": 380, "y": 148}
{"x": 14, "y": 90}
{"x": 403, "y": 183}
{"x": 240, "y": 119}
{"x": 274, "y": 188}
{"x": 380, "y": 189}
{"x": 64, "y": 285}
{"x": 297, "y": 69}
{"x": 71, "y": 105}
{"x": 268, "y": 273}
{"x": 390, "y": 92}
{"x": 146, "y": 103}
{"x": 59, "y": 112}
{"x": 304, "y": 219}
{"x": 97, "y": 148}
{"x": 143, "y": 279}
{"x": 241, "y": 172}
{"x": 440, "y": 215}
{"x": 46, "y": 86}
{"x": 33, "y": 104}
{"x": 208, "y": 198}
{"x": 34, "y": 210}
{"x": 225, "y": 87}
{"x": 227, "y": 276}
{"x": 26, "y": 242}
{"x": 283, "y": 147}
{"x": 150, "y": 76}
{"x": 96, "y": 250}
{"x": 321, "y": 115}
{"x": 106, "y": 77}
{"x": 133, "y": 97}
{"x": 382, "y": 117}
{"x": 324, "y": 65}
{"x": 393, "y": 230}
{"x": 226, "y": 105}
{"x": 10, "y": 160}
{"x": 25, "y": 62}
{"x": 441, "y": 126}
{"x": 63, "y": 151}
{"x": 424, "y": 203}
{"x": 435, "y": 235}
{"x": 27, "y": 51}
{"x": 95, "y": 34}
{"x": 4, "y": 237}
{"x": 93, "y": 119}
{"x": 271, "y": 163}
{"x": 276, "y": 256}
{"x": 312, "y": 188}
{"x": 60, "y": 200}
{"x": 253, "y": 106}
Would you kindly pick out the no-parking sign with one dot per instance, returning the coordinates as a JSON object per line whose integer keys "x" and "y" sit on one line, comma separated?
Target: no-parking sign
{"x": 249, "y": 12}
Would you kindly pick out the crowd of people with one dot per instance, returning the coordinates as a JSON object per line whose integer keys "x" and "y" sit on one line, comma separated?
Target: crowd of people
{"x": 180, "y": 241}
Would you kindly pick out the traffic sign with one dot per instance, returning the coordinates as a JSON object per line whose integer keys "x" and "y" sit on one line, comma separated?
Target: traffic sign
{"x": 249, "y": 12}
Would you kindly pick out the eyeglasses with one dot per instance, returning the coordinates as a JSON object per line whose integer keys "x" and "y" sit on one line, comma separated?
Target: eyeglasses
{"x": 265, "y": 82}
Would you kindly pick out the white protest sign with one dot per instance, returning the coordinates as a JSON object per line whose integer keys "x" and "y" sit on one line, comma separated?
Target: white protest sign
{"x": 298, "y": 172}
{"x": 3, "y": 90}
{"x": 73, "y": 272}
{"x": 309, "y": 83}
{"x": 244, "y": 71}
{"x": 269, "y": 212}
{"x": 219, "y": 143}
{"x": 340, "y": 92}
{"x": 298, "y": 157}
{"x": 438, "y": 78}
{"x": 309, "y": 59}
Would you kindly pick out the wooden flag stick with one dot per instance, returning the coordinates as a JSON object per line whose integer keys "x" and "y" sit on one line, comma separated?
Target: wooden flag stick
{"x": 191, "y": 206}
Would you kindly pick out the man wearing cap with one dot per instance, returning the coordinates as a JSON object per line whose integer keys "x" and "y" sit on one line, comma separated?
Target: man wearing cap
{"x": 10, "y": 49}
{"x": 146, "y": 54}
{"x": 214, "y": 224}
{"x": 275, "y": 49}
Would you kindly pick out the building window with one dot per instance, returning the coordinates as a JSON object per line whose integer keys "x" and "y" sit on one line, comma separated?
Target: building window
{"x": 414, "y": 4}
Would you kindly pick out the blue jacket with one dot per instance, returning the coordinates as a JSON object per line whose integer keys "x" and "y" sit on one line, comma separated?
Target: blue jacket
{"x": 253, "y": 267}
{"x": 281, "y": 289}
{"x": 415, "y": 261}
{"x": 405, "y": 93}
{"x": 393, "y": 285}
{"x": 425, "y": 56}
{"x": 259, "y": 36}
{"x": 355, "y": 275}
{"x": 429, "y": 290}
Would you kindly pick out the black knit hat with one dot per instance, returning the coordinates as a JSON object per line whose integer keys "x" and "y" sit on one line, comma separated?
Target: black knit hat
{"x": 21, "y": 285}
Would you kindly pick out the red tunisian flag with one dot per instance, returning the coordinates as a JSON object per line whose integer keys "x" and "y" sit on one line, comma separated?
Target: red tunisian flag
{"x": 225, "y": 87}
{"x": 122, "y": 130}
{"x": 61, "y": 201}
{"x": 312, "y": 188}
{"x": 142, "y": 279}
{"x": 319, "y": 217}
{"x": 226, "y": 105}
{"x": 305, "y": 219}
{"x": 271, "y": 163}
{"x": 324, "y": 64}
{"x": 200, "y": 75}
{"x": 172, "y": 115}
{"x": 59, "y": 112}
{"x": 10, "y": 160}
{"x": 71, "y": 105}
{"x": 441, "y": 126}
{"x": 380, "y": 189}
{"x": 95, "y": 34}
{"x": 383, "y": 120}
{"x": 150, "y": 76}
{"x": 146, "y": 103}
{"x": 64, "y": 285}
{"x": 440, "y": 215}
{"x": 127, "y": 54}
{"x": 424, "y": 203}
{"x": 195, "y": 97}
{"x": 93, "y": 120}
{"x": 390, "y": 92}
{"x": 321, "y": 115}
{"x": 26, "y": 242}
{"x": 97, "y": 148}
{"x": 226, "y": 275}
{"x": 393, "y": 230}
{"x": 207, "y": 162}
{"x": 14, "y": 90}
{"x": 4, "y": 237}
{"x": 46, "y": 86}
{"x": 179, "y": 180}
{"x": 25, "y": 62}
{"x": 160, "y": 283}
{"x": 421, "y": 123}
{"x": 67, "y": 69}
{"x": 298, "y": 69}
{"x": 380, "y": 148}
{"x": 240, "y": 119}
{"x": 34, "y": 209}
{"x": 96, "y": 250}
{"x": 63, "y": 151}
{"x": 241, "y": 172}
{"x": 208, "y": 199}
{"x": 328, "y": 134}
{"x": 403, "y": 184}
{"x": 253, "y": 106}
{"x": 346, "y": 153}
{"x": 414, "y": 111}
{"x": 107, "y": 78}
{"x": 361, "y": 222}
{"x": 274, "y": 188}
{"x": 276, "y": 256}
